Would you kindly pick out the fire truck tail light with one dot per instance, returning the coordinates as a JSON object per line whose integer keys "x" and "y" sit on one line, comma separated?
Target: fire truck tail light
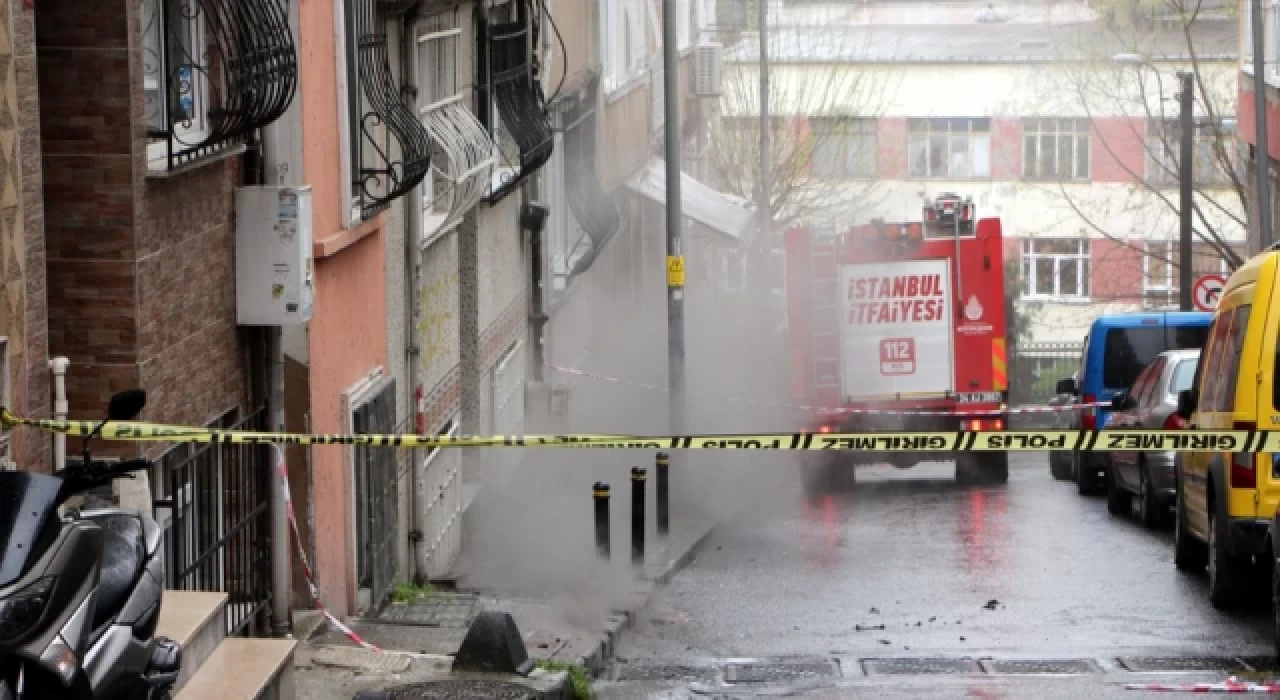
{"x": 824, "y": 429}
{"x": 977, "y": 425}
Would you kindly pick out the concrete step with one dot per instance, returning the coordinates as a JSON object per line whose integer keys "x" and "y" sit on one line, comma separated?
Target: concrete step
{"x": 253, "y": 669}
{"x": 195, "y": 620}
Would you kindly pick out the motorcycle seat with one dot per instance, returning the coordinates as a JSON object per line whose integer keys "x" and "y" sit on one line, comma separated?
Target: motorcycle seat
{"x": 123, "y": 553}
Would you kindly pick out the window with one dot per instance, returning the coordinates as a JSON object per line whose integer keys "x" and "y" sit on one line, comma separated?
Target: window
{"x": 1055, "y": 149}
{"x": 950, "y": 148}
{"x": 625, "y": 53}
{"x": 684, "y": 23}
{"x": 843, "y": 147}
{"x": 462, "y": 152}
{"x": 1223, "y": 367}
{"x": 1055, "y": 268}
{"x": 1163, "y": 147}
{"x": 1271, "y": 39}
{"x": 1126, "y": 351}
{"x": 1142, "y": 385}
{"x": 1183, "y": 373}
{"x": 1160, "y": 274}
{"x": 204, "y": 68}
{"x": 388, "y": 148}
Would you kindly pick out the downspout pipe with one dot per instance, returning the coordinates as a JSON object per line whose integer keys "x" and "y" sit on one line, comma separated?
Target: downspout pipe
{"x": 61, "y": 407}
{"x": 412, "y": 234}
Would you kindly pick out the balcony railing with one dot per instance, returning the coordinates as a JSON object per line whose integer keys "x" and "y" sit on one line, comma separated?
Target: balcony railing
{"x": 511, "y": 103}
{"x": 213, "y": 72}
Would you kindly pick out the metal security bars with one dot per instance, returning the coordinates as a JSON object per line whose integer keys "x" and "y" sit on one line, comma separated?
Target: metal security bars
{"x": 390, "y": 149}
{"x": 213, "y": 71}
{"x": 462, "y": 164}
{"x": 591, "y": 205}
{"x": 510, "y": 100}
{"x": 213, "y": 502}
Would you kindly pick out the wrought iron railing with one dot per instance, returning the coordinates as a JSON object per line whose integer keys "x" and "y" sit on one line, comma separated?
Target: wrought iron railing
{"x": 462, "y": 162}
{"x": 214, "y": 504}
{"x": 390, "y": 149}
{"x": 213, "y": 72}
{"x": 510, "y": 101}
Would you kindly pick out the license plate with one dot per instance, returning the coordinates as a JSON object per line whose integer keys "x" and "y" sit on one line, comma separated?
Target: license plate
{"x": 980, "y": 397}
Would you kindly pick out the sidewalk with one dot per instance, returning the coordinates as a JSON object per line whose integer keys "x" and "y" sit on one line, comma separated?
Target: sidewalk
{"x": 329, "y": 666}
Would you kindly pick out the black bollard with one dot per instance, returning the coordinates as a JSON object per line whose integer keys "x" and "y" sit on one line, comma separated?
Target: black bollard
{"x": 600, "y": 495}
{"x": 663, "y": 467}
{"x": 637, "y": 515}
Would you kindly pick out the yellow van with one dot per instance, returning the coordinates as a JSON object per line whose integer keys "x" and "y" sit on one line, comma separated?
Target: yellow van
{"x": 1226, "y": 501}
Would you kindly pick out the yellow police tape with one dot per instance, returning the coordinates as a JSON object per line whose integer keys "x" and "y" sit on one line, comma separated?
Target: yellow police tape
{"x": 887, "y": 441}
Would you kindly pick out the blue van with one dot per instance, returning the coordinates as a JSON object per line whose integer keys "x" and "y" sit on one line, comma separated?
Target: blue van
{"x": 1116, "y": 350}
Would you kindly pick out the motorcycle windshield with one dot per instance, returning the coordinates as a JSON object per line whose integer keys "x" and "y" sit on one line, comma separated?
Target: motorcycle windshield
{"x": 27, "y": 502}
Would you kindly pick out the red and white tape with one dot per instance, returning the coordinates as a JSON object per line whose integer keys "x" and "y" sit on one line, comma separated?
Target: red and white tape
{"x": 283, "y": 471}
{"x": 1231, "y": 685}
{"x": 842, "y": 410}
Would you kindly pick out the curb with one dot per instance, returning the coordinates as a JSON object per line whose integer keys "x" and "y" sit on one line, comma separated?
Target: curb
{"x": 622, "y": 620}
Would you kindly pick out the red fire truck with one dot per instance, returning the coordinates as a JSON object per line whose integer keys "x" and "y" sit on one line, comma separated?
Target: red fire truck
{"x": 900, "y": 326}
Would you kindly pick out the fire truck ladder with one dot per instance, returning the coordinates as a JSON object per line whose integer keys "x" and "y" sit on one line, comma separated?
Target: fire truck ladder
{"x": 824, "y": 338}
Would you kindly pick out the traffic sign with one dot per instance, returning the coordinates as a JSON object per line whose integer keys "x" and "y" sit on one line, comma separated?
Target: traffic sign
{"x": 1207, "y": 290}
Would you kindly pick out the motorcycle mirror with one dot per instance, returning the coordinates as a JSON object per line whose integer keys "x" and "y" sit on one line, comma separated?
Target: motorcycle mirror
{"x": 127, "y": 404}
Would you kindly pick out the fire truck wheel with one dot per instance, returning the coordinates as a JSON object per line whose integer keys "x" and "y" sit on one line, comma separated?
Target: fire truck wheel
{"x": 1060, "y": 466}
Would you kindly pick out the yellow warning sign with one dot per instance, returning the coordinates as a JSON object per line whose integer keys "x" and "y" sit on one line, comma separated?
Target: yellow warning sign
{"x": 675, "y": 270}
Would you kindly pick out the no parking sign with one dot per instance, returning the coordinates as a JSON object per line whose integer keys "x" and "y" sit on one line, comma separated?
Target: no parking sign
{"x": 1207, "y": 290}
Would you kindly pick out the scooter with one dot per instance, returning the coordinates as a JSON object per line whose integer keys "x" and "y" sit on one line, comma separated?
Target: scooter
{"x": 80, "y": 592}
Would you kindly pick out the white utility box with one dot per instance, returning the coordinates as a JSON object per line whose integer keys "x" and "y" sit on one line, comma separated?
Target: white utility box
{"x": 274, "y": 284}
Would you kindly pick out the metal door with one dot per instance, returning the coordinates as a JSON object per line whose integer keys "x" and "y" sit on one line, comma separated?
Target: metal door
{"x": 376, "y": 496}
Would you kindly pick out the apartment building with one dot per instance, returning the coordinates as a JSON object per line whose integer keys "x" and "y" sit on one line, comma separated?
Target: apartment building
{"x": 1248, "y": 103}
{"x": 1056, "y": 124}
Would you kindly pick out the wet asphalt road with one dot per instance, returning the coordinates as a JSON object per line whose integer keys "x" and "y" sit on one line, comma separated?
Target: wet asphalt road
{"x": 912, "y": 565}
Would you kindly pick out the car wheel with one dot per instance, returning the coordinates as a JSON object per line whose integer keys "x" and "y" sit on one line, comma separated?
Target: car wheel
{"x": 1226, "y": 572}
{"x": 1060, "y": 466}
{"x": 1275, "y": 601}
{"x": 1084, "y": 476}
{"x": 1188, "y": 553}
{"x": 1119, "y": 501}
{"x": 1150, "y": 509}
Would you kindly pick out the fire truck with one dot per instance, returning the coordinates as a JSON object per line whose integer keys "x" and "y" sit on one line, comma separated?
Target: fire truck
{"x": 900, "y": 326}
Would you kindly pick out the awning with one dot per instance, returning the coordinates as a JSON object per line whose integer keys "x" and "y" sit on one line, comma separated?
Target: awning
{"x": 701, "y": 203}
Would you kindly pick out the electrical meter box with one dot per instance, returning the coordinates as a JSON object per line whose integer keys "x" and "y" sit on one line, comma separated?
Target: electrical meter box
{"x": 274, "y": 278}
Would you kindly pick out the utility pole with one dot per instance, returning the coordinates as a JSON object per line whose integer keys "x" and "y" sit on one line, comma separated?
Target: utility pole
{"x": 1261, "y": 149}
{"x": 675, "y": 216}
{"x": 1186, "y": 169}
{"x": 766, "y": 154}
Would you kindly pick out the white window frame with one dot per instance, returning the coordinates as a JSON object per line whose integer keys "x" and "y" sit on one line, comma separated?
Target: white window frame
{"x": 153, "y": 40}
{"x": 684, "y": 24}
{"x": 1034, "y": 131}
{"x": 1271, "y": 39}
{"x": 839, "y": 132}
{"x": 1083, "y": 275}
{"x": 624, "y": 45}
{"x": 350, "y": 207}
{"x": 952, "y": 132}
{"x": 1161, "y": 154}
{"x": 502, "y": 171}
{"x": 437, "y": 38}
{"x": 1154, "y": 289}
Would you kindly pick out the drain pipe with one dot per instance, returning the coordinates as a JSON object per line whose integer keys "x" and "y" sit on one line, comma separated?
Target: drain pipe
{"x": 412, "y": 234}
{"x": 59, "y": 367}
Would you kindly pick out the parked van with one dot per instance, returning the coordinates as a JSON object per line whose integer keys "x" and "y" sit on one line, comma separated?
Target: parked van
{"x": 1225, "y": 501}
{"x": 1117, "y": 349}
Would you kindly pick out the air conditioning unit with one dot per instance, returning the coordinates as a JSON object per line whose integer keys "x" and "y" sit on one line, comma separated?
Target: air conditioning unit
{"x": 707, "y": 65}
{"x": 274, "y": 274}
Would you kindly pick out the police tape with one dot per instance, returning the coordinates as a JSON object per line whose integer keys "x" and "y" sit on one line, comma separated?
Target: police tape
{"x": 845, "y": 410}
{"x": 1246, "y": 441}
